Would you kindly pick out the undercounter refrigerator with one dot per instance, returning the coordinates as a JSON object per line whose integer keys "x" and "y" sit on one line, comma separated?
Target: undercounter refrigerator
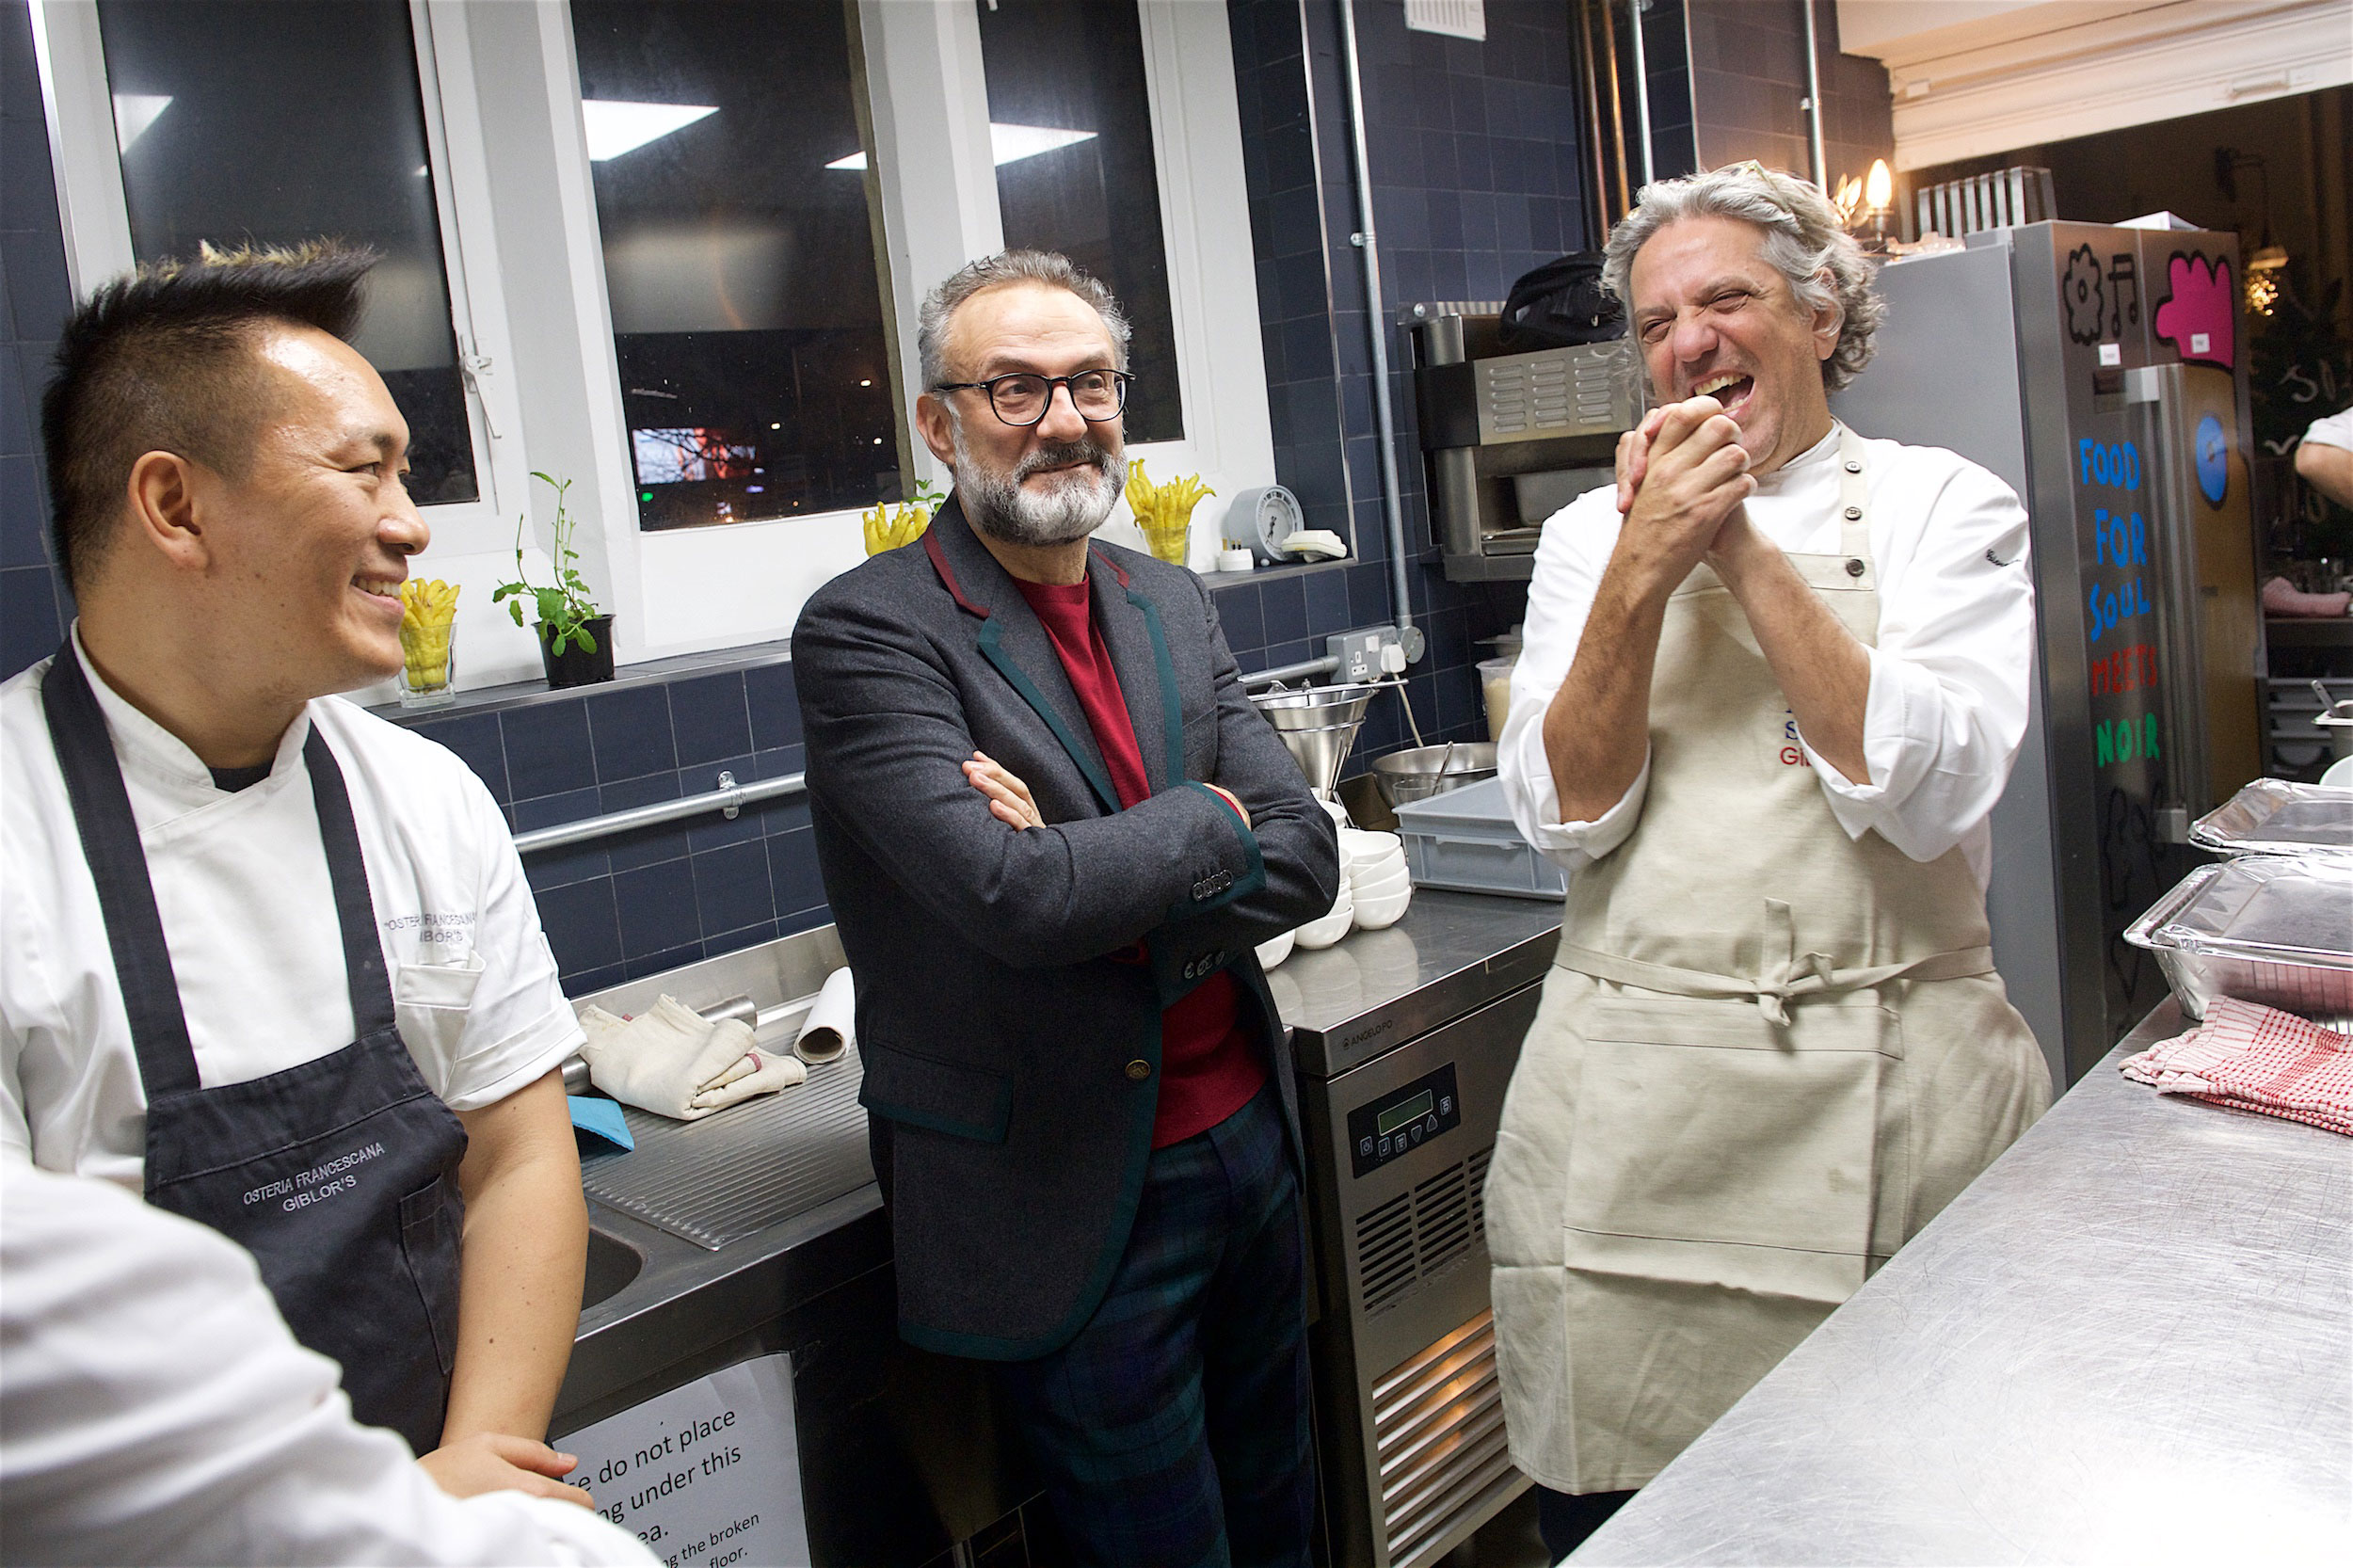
{"x": 2102, "y": 372}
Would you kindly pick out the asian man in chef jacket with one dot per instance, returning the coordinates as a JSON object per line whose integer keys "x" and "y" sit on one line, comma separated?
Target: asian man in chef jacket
{"x": 1771, "y": 689}
{"x": 268, "y": 960}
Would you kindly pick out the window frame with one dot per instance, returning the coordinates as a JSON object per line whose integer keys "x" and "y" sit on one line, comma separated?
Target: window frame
{"x": 704, "y": 589}
{"x": 77, "y": 100}
{"x": 533, "y": 320}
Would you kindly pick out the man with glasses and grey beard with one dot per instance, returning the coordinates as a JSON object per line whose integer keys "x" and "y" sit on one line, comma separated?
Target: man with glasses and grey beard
{"x": 1053, "y": 830}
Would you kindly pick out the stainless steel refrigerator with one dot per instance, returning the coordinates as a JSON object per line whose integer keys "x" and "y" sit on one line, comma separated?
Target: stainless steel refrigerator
{"x": 2102, "y": 372}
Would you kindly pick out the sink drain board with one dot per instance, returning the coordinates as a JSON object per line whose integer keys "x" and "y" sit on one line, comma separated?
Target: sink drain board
{"x": 745, "y": 1169}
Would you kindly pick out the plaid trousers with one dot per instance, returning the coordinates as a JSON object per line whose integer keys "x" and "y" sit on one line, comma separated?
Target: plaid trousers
{"x": 1174, "y": 1429}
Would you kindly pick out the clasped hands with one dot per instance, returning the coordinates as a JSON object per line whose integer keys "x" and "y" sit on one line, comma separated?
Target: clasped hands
{"x": 1011, "y": 802}
{"x": 1682, "y": 478}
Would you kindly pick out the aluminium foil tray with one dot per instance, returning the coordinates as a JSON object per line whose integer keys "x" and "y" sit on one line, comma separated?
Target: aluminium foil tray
{"x": 2272, "y": 816}
{"x": 2273, "y": 929}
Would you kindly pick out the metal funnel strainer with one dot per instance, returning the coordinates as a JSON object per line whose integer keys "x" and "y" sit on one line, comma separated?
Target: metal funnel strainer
{"x": 1317, "y": 726}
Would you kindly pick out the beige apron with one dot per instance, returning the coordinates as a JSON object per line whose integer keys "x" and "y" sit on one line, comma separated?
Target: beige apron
{"x": 1767, "y": 1055}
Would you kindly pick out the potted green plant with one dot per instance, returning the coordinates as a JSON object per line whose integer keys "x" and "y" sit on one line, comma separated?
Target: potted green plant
{"x": 575, "y": 639}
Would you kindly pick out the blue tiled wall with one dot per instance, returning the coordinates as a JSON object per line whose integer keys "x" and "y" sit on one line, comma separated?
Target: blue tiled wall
{"x": 1667, "y": 60}
{"x": 651, "y": 900}
{"x": 1475, "y": 155}
{"x": 35, "y": 605}
{"x": 1749, "y": 84}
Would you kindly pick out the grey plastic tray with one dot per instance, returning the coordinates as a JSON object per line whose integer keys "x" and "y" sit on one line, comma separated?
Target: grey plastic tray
{"x": 1465, "y": 841}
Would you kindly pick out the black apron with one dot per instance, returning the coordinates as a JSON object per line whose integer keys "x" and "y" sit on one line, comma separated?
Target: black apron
{"x": 340, "y": 1175}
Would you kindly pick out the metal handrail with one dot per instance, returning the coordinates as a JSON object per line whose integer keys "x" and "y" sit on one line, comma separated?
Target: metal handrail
{"x": 1301, "y": 671}
{"x": 731, "y": 797}
{"x": 728, "y": 799}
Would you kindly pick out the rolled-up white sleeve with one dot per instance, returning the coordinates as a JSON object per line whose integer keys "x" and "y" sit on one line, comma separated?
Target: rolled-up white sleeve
{"x": 1574, "y": 549}
{"x": 1950, "y": 674}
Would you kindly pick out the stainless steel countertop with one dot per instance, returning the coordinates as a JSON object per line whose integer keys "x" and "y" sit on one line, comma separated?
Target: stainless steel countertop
{"x": 2130, "y": 1341}
{"x": 1452, "y": 953}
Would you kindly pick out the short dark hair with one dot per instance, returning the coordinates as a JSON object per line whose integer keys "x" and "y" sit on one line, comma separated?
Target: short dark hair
{"x": 163, "y": 360}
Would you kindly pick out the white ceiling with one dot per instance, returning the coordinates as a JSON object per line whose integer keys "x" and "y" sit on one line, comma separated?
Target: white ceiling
{"x": 1972, "y": 77}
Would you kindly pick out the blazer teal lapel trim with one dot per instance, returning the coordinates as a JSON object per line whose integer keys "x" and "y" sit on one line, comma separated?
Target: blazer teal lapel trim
{"x": 1147, "y": 680}
{"x": 1172, "y": 706}
{"x": 993, "y": 649}
{"x": 950, "y": 536}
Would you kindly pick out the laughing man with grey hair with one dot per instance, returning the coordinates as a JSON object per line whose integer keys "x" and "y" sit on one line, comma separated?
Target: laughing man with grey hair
{"x": 1772, "y": 685}
{"x": 1053, "y": 831}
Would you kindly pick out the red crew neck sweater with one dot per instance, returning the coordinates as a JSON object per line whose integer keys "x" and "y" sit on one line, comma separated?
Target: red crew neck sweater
{"x": 1207, "y": 1069}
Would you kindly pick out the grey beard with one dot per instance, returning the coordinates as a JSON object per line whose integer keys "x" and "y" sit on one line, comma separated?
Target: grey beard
{"x": 998, "y": 506}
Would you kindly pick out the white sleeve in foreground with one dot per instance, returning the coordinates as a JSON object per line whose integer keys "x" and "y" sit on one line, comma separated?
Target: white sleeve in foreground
{"x": 1947, "y": 702}
{"x": 160, "y": 1412}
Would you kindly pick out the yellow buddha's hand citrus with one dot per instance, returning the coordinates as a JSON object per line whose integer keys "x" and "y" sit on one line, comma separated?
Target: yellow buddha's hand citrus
{"x": 428, "y": 611}
{"x": 1164, "y": 512}
{"x": 887, "y": 529}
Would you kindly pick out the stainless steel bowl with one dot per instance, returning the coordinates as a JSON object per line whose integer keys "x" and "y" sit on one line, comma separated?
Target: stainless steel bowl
{"x": 1420, "y": 772}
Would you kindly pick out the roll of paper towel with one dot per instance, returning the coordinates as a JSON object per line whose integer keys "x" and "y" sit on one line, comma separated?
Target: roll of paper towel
{"x": 832, "y": 1026}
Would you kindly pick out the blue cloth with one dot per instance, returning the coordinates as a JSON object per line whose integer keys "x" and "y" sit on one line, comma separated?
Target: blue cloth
{"x": 1174, "y": 1429}
{"x": 600, "y": 1118}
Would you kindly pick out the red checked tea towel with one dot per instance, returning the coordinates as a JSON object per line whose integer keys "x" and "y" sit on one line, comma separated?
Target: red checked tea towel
{"x": 2256, "y": 1059}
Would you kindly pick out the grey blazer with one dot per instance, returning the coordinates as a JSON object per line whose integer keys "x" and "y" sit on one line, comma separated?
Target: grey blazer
{"x": 1012, "y": 1064}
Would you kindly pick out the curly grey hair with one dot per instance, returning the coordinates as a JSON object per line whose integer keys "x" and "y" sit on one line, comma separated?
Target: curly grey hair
{"x": 1009, "y": 266}
{"x": 1804, "y": 243}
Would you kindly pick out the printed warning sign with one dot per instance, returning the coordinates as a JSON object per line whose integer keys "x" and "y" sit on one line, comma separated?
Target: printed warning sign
{"x": 709, "y": 1475}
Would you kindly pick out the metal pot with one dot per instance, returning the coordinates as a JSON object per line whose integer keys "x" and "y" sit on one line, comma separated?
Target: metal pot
{"x": 1420, "y": 772}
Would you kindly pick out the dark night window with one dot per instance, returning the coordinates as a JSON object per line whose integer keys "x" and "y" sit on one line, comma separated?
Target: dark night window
{"x": 749, "y": 312}
{"x": 1072, "y": 126}
{"x": 282, "y": 120}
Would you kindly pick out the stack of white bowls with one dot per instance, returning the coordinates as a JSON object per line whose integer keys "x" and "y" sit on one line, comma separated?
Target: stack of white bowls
{"x": 1374, "y": 892}
{"x": 1337, "y": 922}
{"x": 1376, "y": 881}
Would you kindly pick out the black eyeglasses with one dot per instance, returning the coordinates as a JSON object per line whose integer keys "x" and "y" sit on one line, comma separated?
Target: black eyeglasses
{"x": 1021, "y": 399}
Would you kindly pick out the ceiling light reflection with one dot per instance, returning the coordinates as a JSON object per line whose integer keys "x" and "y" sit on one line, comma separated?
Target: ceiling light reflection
{"x": 1006, "y": 144}
{"x": 134, "y": 113}
{"x": 616, "y": 126}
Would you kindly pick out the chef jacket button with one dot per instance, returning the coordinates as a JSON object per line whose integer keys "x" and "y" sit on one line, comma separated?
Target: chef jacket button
{"x": 1853, "y": 513}
{"x": 1854, "y": 568}
{"x": 1138, "y": 1071}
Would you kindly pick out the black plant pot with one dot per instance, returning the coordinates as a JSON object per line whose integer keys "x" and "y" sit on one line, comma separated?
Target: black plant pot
{"x": 577, "y": 666}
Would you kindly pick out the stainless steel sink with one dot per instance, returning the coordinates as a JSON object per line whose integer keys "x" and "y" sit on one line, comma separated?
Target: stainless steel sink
{"x": 612, "y": 1264}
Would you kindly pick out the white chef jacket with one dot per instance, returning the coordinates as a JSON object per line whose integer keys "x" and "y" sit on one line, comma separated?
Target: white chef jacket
{"x": 2333, "y": 430}
{"x": 1947, "y": 703}
{"x": 248, "y": 913}
{"x": 159, "y": 1411}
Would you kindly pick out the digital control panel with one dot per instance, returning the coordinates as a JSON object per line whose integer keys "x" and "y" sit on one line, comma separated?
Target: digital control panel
{"x": 1403, "y": 1119}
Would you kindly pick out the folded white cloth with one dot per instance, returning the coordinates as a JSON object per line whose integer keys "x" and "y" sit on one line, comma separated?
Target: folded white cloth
{"x": 831, "y": 1027}
{"x": 675, "y": 1063}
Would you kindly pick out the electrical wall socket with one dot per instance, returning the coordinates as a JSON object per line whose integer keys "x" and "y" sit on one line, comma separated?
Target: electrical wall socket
{"x": 1358, "y": 653}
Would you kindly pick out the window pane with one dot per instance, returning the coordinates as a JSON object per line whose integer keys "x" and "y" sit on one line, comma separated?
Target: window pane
{"x": 739, "y": 254}
{"x": 1072, "y": 128}
{"x": 282, "y": 120}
